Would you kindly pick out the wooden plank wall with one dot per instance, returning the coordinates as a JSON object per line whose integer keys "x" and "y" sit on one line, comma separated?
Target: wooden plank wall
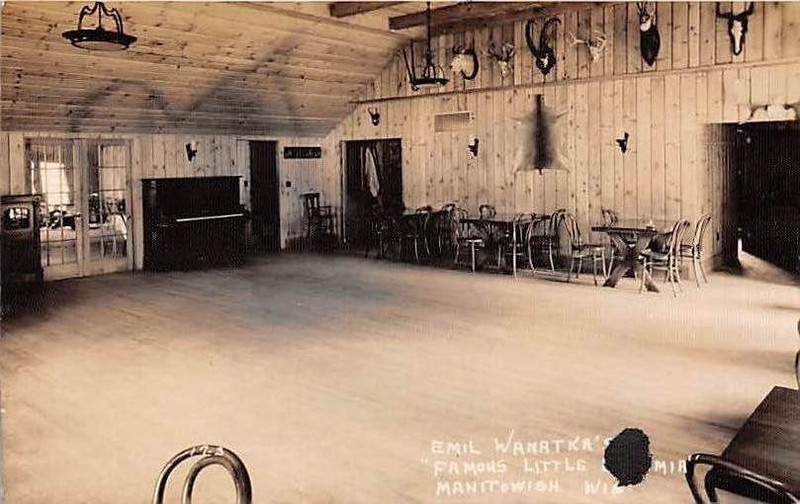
{"x": 695, "y": 81}
{"x": 158, "y": 156}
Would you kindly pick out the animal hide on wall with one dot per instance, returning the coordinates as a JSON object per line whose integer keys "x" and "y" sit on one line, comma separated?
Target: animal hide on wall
{"x": 537, "y": 139}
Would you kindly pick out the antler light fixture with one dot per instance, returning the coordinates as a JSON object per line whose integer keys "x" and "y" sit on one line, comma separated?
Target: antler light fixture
{"x": 98, "y": 38}
{"x": 432, "y": 75}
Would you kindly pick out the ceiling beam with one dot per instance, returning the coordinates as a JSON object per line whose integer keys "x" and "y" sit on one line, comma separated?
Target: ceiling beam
{"x": 347, "y": 9}
{"x": 532, "y": 11}
{"x": 459, "y": 12}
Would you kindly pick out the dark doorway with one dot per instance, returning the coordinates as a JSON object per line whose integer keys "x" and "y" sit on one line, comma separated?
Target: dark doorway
{"x": 768, "y": 191}
{"x": 373, "y": 186}
{"x": 265, "y": 196}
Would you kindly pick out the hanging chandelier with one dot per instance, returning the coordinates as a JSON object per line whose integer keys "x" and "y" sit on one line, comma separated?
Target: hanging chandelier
{"x": 432, "y": 75}
{"x": 98, "y": 38}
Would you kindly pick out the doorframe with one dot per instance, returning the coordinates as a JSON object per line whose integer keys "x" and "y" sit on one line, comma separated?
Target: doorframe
{"x": 79, "y": 146}
{"x": 278, "y": 195}
{"x": 69, "y": 144}
{"x": 100, "y": 268}
{"x": 343, "y": 176}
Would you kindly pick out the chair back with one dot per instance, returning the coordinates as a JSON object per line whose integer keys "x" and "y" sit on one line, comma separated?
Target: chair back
{"x": 311, "y": 203}
{"x": 573, "y": 230}
{"x": 767, "y": 489}
{"x": 700, "y": 231}
{"x": 448, "y": 207}
{"x": 457, "y": 215}
{"x": 487, "y": 211}
{"x": 609, "y": 216}
{"x": 676, "y": 236}
{"x": 209, "y": 455}
{"x": 424, "y": 209}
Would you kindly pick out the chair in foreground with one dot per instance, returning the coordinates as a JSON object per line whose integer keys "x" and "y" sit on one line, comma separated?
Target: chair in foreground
{"x": 732, "y": 477}
{"x": 581, "y": 251}
{"x": 209, "y": 455}
{"x": 666, "y": 260}
{"x": 694, "y": 250}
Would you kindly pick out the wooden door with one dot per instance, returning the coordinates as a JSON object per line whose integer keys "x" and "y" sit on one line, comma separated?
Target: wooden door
{"x": 265, "y": 196}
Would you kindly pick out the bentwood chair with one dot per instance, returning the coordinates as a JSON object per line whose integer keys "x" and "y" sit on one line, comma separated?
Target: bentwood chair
{"x": 694, "y": 250}
{"x": 580, "y": 250}
{"x": 665, "y": 259}
{"x": 508, "y": 247}
{"x": 442, "y": 228}
{"x": 209, "y": 455}
{"x": 413, "y": 230}
{"x": 730, "y": 476}
{"x": 542, "y": 237}
{"x": 464, "y": 237}
{"x": 487, "y": 212}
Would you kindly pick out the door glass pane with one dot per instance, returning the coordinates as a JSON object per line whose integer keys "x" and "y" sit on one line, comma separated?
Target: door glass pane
{"x": 107, "y": 185}
{"x": 52, "y": 176}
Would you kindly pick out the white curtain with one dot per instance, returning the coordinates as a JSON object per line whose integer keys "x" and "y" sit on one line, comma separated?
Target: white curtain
{"x": 372, "y": 172}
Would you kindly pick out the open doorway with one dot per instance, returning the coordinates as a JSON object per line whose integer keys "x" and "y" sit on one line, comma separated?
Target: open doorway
{"x": 767, "y": 168}
{"x": 373, "y": 186}
{"x": 265, "y": 196}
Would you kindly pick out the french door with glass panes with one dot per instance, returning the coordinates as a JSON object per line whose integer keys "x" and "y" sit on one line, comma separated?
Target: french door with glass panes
{"x": 85, "y": 188}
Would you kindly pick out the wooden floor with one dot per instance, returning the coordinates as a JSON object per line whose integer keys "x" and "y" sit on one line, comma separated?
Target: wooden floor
{"x": 331, "y": 377}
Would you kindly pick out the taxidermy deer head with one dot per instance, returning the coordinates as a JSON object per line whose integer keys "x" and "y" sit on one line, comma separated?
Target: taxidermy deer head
{"x": 544, "y": 54}
{"x": 649, "y": 39}
{"x": 737, "y": 26}
{"x": 465, "y": 62}
{"x": 503, "y": 57}
{"x": 595, "y": 45}
{"x": 375, "y": 116}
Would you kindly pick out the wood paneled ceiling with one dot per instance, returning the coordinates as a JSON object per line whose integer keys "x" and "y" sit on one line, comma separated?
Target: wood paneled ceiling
{"x": 227, "y": 68}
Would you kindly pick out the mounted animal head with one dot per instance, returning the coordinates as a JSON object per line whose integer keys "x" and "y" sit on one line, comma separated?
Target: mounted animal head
{"x": 595, "y": 45}
{"x": 191, "y": 150}
{"x": 545, "y": 55}
{"x": 649, "y": 38}
{"x": 375, "y": 116}
{"x": 473, "y": 147}
{"x": 737, "y": 26}
{"x": 503, "y": 57}
{"x": 465, "y": 62}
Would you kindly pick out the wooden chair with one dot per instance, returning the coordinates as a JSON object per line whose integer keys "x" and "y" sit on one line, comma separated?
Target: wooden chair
{"x": 610, "y": 217}
{"x": 542, "y": 237}
{"x": 727, "y": 475}
{"x": 413, "y": 229}
{"x": 580, "y": 250}
{"x": 442, "y": 228}
{"x": 487, "y": 211}
{"x": 464, "y": 237}
{"x": 209, "y": 455}
{"x": 666, "y": 260}
{"x": 319, "y": 219}
{"x": 694, "y": 250}
{"x": 506, "y": 246}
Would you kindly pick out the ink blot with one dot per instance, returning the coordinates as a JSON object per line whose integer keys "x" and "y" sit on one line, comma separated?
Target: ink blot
{"x": 628, "y": 457}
